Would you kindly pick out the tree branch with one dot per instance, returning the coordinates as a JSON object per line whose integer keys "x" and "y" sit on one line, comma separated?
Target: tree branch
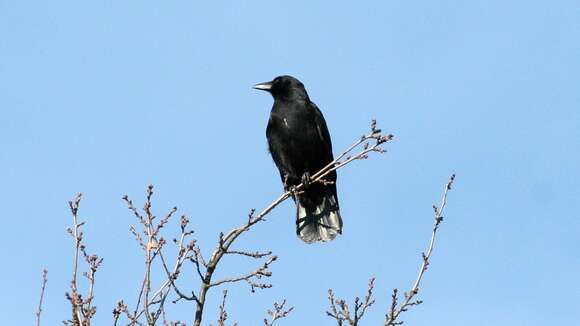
{"x": 152, "y": 243}
{"x": 339, "y": 309}
{"x": 39, "y": 310}
{"x": 395, "y": 309}
{"x": 82, "y": 309}
{"x": 278, "y": 313}
{"x": 371, "y": 142}
{"x": 223, "y": 314}
{"x": 149, "y": 305}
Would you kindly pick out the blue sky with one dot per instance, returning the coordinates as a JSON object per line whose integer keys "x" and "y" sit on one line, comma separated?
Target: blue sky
{"x": 107, "y": 97}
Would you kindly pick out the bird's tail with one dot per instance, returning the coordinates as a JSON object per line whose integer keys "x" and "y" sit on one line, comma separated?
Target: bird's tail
{"x": 319, "y": 221}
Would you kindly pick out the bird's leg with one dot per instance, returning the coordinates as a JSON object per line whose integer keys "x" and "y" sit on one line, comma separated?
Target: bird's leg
{"x": 286, "y": 183}
{"x": 306, "y": 179}
{"x": 289, "y": 187}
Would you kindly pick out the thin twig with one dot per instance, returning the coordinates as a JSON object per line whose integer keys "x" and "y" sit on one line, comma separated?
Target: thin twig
{"x": 74, "y": 297}
{"x": 339, "y": 309}
{"x": 261, "y": 271}
{"x": 83, "y": 309}
{"x": 152, "y": 243}
{"x": 395, "y": 309}
{"x": 171, "y": 276}
{"x": 279, "y": 312}
{"x": 223, "y": 315}
{"x": 39, "y": 310}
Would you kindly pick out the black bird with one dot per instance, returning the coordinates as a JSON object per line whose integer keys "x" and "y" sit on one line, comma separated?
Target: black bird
{"x": 300, "y": 145}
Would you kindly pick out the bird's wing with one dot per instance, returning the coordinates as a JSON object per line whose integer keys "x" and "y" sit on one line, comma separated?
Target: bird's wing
{"x": 276, "y": 148}
{"x": 322, "y": 130}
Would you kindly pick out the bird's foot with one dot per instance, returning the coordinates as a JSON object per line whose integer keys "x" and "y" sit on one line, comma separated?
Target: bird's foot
{"x": 295, "y": 192}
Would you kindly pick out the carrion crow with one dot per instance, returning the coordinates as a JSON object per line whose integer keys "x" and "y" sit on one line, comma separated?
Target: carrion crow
{"x": 300, "y": 145}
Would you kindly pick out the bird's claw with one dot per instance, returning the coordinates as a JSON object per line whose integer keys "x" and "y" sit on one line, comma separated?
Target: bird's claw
{"x": 293, "y": 189}
{"x": 295, "y": 192}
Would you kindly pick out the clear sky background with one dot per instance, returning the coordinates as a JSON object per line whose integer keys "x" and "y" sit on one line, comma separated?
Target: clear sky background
{"x": 106, "y": 97}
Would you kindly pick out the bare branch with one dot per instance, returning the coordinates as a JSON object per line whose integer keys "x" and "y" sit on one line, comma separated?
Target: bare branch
{"x": 149, "y": 305}
{"x": 39, "y": 310}
{"x": 278, "y": 313}
{"x": 172, "y": 276}
{"x": 334, "y": 313}
{"x": 82, "y": 309}
{"x": 372, "y": 142}
{"x": 395, "y": 309}
{"x": 152, "y": 304}
{"x": 223, "y": 315}
{"x": 255, "y": 254}
{"x": 339, "y": 309}
{"x": 361, "y": 307}
{"x": 257, "y": 274}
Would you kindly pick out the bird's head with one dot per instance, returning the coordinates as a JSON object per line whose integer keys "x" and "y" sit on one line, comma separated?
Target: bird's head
{"x": 284, "y": 88}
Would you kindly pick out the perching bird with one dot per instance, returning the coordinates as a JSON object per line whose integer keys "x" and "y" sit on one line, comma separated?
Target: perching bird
{"x": 300, "y": 145}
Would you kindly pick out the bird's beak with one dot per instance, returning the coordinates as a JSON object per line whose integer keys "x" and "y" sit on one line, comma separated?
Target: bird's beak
{"x": 264, "y": 86}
